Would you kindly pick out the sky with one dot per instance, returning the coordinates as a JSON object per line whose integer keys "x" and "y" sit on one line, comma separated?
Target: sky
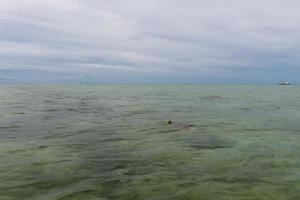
{"x": 155, "y": 41}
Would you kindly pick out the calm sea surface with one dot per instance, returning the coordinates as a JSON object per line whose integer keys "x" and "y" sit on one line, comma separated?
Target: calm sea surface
{"x": 88, "y": 142}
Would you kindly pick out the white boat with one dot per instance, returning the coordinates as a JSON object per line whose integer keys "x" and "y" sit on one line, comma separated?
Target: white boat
{"x": 285, "y": 83}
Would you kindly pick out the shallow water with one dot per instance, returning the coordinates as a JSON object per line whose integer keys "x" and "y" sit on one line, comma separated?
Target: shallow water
{"x": 67, "y": 142}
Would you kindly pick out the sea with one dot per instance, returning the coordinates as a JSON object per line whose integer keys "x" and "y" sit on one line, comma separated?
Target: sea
{"x": 113, "y": 142}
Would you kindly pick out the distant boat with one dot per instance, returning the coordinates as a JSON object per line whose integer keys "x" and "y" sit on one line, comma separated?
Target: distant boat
{"x": 285, "y": 83}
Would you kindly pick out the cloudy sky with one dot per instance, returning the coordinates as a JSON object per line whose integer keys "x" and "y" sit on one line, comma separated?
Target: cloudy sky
{"x": 205, "y": 41}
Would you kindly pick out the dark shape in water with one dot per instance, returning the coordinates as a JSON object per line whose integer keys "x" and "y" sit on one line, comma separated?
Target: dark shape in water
{"x": 213, "y": 97}
{"x": 209, "y": 143}
{"x": 180, "y": 126}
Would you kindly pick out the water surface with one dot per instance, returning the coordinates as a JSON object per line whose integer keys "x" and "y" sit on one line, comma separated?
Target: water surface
{"x": 74, "y": 142}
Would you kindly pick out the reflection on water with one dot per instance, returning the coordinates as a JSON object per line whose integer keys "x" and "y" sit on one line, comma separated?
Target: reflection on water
{"x": 73, "y": 142}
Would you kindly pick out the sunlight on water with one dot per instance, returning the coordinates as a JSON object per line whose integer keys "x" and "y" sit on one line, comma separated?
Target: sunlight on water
{"x": 74, "y": 142}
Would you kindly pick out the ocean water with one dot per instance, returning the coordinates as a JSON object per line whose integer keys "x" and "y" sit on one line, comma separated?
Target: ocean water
{"x": 88, "y": 142}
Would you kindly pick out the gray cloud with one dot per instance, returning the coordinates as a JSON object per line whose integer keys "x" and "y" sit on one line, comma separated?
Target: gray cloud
{"x": 159, "y": 40}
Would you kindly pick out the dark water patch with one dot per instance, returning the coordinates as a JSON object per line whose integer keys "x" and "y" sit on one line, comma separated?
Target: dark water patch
{"x": 49, "y": 101}
{"x": 61, "y": 127}
{"x": 54, "y": 134}
{"x": 43, "y": 164}
{"x": 138, "y": 171}
{"x": 27, "y": 149}
{"x": 213, "y": 97}
{"x": 238, "y": 179}
{"x": 208, "y": 125}
{"x": 180, "y": 125}
{"x": 134, "y": 113}
{"x": 227, "y": 123}
{"x": 209, "y": 142}
{"x": 42, "y": 147}
{"x": 20, "y": 113}
{"x": 89, "y": 130}
{"x": 83, "y": 194}
{"x": 36, "y": 179}
{"x": 297, "y": 131}
{"x": 216, "y": 125}
{"x": 59, "y": 97}
{"x": 120, "y": 165}
{"x": 10, "y": 127}
{"x": 150, "y": 129}
{"x": 256, "y": 129}
{"x": 86, "y": 110}
{"x": 84, "y": 102}
{"x": 71, "y": 109}
{"x": 68, "y": 97}
{"x": 246, "y": 109}
{"x": 116, "y": 139}
{"x": 38, "y": 184}
{"x": 168, "y": 130}
{"x": 75, "y": 145}
{"x": 282, "y": 164}
{"x": 48, "y": 117}
{"x": 51, "y": 110}
{"x": 253, "y": 129}
{"x": 105, "y": 167}
{"x": 184, "y": 127}
{"x": 85, "y": 98}
{"x": 15, "y": 151}
{"x": 210, "y": 146}
{"x": 37, "y": 187}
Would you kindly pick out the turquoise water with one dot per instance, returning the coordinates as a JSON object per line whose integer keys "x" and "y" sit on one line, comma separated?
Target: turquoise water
{"x": 75, "y": 142}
